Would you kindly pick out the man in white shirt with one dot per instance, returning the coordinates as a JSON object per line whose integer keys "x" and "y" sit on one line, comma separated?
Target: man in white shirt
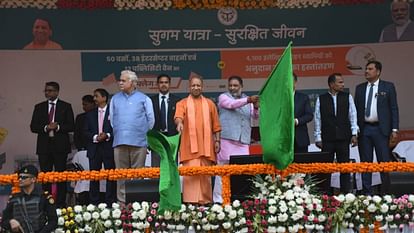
{"x": 336, "y": 124}
{"x": 52, "y": 121}
{"x": 164, "y": 111}
{"x": 99, "y": 135}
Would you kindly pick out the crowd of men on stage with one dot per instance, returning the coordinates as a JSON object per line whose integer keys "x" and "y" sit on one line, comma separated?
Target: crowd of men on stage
{"x": 113, "y": 131}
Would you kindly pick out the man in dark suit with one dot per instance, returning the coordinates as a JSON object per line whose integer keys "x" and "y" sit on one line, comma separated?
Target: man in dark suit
{"x": 303, "y": 115}
{"x": 336, "y": 124}
{"x": 78, "y": 137}
{"x": 164, "y": 110}
{"x": 52, "y": 120}
{"x": 376, "y": 103}
{"x": 99, "y": 136}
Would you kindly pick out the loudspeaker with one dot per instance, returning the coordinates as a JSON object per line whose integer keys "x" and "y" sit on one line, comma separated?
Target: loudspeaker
{"x": 323, "y": 180}
{"x": 241, "y": 185}
{"x": 401, "y": 183}
{"x": 142, "y": 190}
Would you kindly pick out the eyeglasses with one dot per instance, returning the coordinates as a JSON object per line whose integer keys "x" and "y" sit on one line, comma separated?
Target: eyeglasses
{"x": 21, "y": 177}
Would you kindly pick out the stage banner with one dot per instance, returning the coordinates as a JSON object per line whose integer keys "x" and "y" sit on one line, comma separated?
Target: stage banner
{"x": 224, "y": 28}
{"x": 216, "y": 65}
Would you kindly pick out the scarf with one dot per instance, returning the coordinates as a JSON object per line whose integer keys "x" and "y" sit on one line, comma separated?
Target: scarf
{"x": 192, "y": 125}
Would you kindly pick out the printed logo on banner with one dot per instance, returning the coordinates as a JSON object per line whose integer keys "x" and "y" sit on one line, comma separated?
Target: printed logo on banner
{"x": 357, "y": 57}
{"x": 227, "y": 15}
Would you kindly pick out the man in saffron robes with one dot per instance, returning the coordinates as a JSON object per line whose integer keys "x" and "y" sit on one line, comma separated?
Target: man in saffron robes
{"x": 42, "y": 31}
{"x": 198, "y": 122}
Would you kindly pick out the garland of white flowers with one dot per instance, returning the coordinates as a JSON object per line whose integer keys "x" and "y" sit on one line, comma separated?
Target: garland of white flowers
{"x": 177, "y": 4}
{"x": 301, "y": 3}
{"x": 281, "y": 205}
{"x": 142, "y": 4}
{"x": 43, "y": 4}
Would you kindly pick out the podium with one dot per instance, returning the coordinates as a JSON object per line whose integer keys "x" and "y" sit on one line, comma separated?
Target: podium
{"x": 142, "y": 190}
{"x": 241, "y": 185}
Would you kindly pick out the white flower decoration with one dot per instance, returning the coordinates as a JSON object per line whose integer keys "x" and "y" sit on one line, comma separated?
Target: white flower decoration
{"x": 115, "y": 205}
{"x": 102, "y": 206}
{"x": 376, "y": 199}
{"x": 105, "y": 214}
{"x": 90, "y": 208}
{"x": 78, "y": 218}
{"x": 78, "y": 209}
{"x": 87, "y": 216}
{"x": 61, "y": 221}
{"x": 281, "y": 229}
{"x": 136, "y": 206}
{"x": 108, "y": 223}
{"x": 236, "y": 203}
{"x": 349, "y": 198}
{"x": 116, "y": 213}
{"x": 95, "y": 215}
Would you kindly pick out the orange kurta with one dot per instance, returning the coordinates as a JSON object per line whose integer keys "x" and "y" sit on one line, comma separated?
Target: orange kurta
{"x": 197, "y": 189}
{"x": 49, "y": 45}
{"x": 181, "y": 112}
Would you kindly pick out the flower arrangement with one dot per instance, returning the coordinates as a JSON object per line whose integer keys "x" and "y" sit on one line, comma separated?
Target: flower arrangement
{"x": 290, "y": 207}
{"x": 292, "y": 204}
{"x": 91, "y": 218}
{"x": 279, "y": 204}
{"x": 366, "y": 211}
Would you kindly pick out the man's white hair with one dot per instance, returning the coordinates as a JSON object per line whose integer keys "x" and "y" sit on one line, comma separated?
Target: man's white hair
{"x": 407, "y": 3}
{"x": 131, "y": 75}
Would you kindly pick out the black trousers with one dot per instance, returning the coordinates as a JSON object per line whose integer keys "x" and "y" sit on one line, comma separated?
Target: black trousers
{"x": 300, "y": 149}
{"x": 57, "y": 162}
{"x": 82, "y": 198}
{"x": 371, "y": 139}
{"x": 95, "y": 163}
{"x": 341, "y": 150}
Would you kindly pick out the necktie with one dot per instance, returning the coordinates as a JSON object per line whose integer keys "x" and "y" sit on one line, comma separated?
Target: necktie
{"x": 100, "y": 120}
{"x": 51, "y": 112}
{"x": 370, "y": 93}
{"x": 163, "y": 114}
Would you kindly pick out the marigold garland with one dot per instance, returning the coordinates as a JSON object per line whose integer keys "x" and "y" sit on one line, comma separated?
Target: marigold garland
{"x": 224, "y": 171}
{"x": 377, "y": 226}
{"x": 226, "y": 189}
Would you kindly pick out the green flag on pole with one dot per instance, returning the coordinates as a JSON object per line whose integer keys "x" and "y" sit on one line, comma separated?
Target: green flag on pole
{"x": 169, "y": 188}
{"x": 276, "y": 122}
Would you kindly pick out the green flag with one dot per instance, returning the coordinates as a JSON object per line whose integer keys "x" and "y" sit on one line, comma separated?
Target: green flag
{"x": 170, "y": 189}
{"x": 276, "y": 120}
